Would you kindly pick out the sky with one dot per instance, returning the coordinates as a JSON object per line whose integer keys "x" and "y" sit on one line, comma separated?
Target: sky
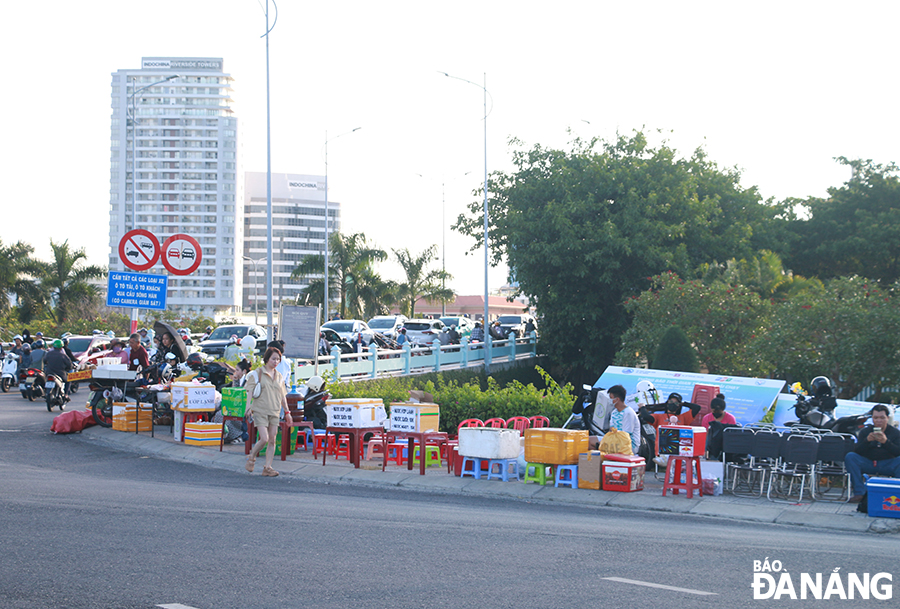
{"x": 775, "y": 89}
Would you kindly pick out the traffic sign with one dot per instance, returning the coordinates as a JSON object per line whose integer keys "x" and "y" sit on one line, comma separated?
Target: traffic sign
{"x": 139, "y": 249}
{"x": 137, "y": 290}
{"x": 181, "y": 254}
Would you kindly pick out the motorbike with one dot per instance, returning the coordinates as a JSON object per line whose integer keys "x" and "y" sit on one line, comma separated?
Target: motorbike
{"x": 8, "y": 374}
{"x": 818, "y": 412}
{"x": 55, "y": 394}
{"x": 314, "y": 398}
{"x": 107, "y": 392}
{"x": 31, "y": 383}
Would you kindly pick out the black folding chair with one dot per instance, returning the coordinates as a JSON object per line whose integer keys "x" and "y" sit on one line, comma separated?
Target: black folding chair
{"x": 799, "y": 456}
{"x": 737, "y": 446}
{"x": 832, "y": 479}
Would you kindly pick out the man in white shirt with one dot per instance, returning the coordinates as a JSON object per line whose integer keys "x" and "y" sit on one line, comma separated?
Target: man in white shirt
{"x": 624, "y": 418}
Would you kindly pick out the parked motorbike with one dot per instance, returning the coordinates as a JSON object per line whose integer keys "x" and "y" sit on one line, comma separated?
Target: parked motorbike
{"x": 8, "y": 374}
{"x": 55, "y": 394}
{"x": 107, "y": 392}
{"x": 314, "y": 398}
{"x": 210, "y": 372}
{"x": 31, "y": 383}
{"x": 818, "y": 411}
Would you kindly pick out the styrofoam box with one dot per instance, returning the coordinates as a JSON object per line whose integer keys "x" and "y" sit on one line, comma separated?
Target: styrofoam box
{"x": 489, "y": 442}
{"x": 355, "y": 412}
{"x": 417, "y": 417}
{"x": 191, "y": 396}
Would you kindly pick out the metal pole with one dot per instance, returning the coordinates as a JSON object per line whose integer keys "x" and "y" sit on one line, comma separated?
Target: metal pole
{"x": 443, "y": 244}
{"x": 325, "y": 302}
{"x": 269, "y": 329}
{"x": 487, "y": 366}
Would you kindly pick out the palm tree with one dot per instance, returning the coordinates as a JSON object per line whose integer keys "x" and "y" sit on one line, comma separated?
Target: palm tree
{"x": 350, "y": 262}
{"x": 65, "y": 280}
{"x": 420, "y": 282}
{"x": 17, "y": 272}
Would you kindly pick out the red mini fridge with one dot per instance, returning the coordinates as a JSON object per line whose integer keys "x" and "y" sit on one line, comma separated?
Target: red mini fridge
{"x": 623, "y": 473}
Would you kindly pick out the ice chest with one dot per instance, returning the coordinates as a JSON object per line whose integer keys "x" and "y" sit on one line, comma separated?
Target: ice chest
{"x": 190, "y": 396}
{"x": 355, "y": 412}
{"x": 590, "y": 466}
{"x": 681, "y": 440}
{"x": 125, "y": 414}
{"x": 489, "y": 442}
{"x": 883, "y": 497}
{"x": 234, "y": 401}
{"x": 202, "y": 434}
{"x": 624, "y": 473}
{"x": 555, "y": 446}
{"x": 407, "y": 416}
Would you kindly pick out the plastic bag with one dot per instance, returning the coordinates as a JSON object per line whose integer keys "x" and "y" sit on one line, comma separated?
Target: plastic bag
{"x": 616, "y": 443}
{"x": 72, "y": 421}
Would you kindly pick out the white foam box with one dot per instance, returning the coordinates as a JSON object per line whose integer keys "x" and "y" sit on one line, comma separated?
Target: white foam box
{"x": 191, "y": 396}
{"x": 417, "y": 417}
{"x": 355, "y": 412}
{"x": 489, "y": 442}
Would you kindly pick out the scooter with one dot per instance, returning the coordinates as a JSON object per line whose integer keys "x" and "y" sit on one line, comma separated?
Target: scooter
{"x": 8, "y": 375}
{"x": 55, "y": 392}
{"x": 106, "y": 392}
{"x": 818, "y": 412}
{"x": 31, "y": 383}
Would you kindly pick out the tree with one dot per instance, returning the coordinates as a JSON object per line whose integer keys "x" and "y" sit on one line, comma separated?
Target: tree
{"x": 764, "y": 274}
{"x": 421, "y": 283}
{"x": 675, "y": 352}
{"x": 17, "y": 272}
{"x": 66, "y": 280}
{"x": 855, "y": 230}
{"x": 585, "y": 230}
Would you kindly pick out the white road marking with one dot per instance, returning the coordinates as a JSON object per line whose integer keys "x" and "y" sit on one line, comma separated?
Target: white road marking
{"x": 176, "y": 606}
{"x": 652, "y": 585}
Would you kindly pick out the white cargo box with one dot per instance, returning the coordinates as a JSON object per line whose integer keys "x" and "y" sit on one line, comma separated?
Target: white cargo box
{"x": 489, "y": 442}
{"x": 356, "y": 412}
{"x": 191, "y": 396}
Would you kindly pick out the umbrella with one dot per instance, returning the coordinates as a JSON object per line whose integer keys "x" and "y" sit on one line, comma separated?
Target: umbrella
{"x": 180, "y": 350}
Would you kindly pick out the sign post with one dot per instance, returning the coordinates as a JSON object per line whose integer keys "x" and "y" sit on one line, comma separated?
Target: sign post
{"x": 138, "y": 250}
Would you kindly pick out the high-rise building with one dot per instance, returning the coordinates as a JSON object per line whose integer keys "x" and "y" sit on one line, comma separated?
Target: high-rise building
{"x": 188, "y": 173}
{"x": 298, "y": 230}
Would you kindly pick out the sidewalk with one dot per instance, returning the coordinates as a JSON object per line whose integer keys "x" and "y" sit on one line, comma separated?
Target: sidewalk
{"x": 819, "y": 514}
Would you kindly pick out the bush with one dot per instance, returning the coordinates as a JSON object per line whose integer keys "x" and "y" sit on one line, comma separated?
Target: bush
{"x": 675, "y": 352}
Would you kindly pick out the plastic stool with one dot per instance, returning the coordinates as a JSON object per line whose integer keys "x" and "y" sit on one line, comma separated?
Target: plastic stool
{"x": 343, "y": 447}
{"x": 566, "y": 475}
{"x": 683, "y": 466}
{"x": 539, "y": 474}
{"x": 397, "y": 449}
{"x": 475, "y": 471}
{"x": 319, "y": 443}
{"x": 372, "y": 446}
{"x": 505, "y": 465}
{"x": 432, "y": 455}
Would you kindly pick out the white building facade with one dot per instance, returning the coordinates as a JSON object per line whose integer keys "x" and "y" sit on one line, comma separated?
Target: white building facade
{"x": 298, "y": 230}
{"x": 188, "y": 174}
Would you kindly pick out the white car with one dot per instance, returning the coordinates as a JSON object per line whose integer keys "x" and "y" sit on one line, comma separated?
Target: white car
{"x": 349, "y": 328}
{"x": 423, "y": 332}
{"x": 389, "y": 325}
{"x": 464, "y": 325}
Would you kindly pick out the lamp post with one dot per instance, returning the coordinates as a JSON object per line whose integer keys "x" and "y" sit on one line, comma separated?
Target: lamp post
{"x": 325, "y": 302}
{"x": 255, "y": 288}
{"x": 483, "y": 87}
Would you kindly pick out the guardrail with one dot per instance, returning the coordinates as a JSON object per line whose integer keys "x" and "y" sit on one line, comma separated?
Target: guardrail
{"x": 375, "y": 362}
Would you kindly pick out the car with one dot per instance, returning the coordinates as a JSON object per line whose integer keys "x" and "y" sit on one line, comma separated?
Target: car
{"x": 174, "y": 253}
{"x": 216, "y": 342}
{"x": 516, "y": 323}
{"x": 423, "y": 331}
{"x": 389, "y": 325}
{"x": 84, "y": 346}
{"x": 349, "y": 328}
{"x": 464, "y": 325}
{"x": 336, "y": 340}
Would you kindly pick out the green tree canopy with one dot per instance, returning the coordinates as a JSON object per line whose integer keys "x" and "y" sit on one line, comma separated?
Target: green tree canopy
{"x": 66, "y": 281}
{"x": 18, "y": 270}
{"x": 675, "y": 352}
{"x": 421, "y": 283}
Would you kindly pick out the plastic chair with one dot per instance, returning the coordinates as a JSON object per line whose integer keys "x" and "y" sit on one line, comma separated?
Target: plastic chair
{"x": 495, "y": 422}
{"x": 539, "y": 421}
{"x": 520, "y": 424}
{"x": 469, "y": 423}
{"x": 702, "y": 396}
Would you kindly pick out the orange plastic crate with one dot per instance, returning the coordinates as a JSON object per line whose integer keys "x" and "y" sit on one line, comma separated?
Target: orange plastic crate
{"x": 555, "y": 446}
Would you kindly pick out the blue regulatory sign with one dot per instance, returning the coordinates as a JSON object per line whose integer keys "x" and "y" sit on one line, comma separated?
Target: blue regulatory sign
{"x": 137, "y": 290}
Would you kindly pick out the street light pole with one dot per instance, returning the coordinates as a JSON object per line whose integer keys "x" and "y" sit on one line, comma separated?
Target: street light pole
{"x": 325, "y": 302}
{"x": 255, "y": 288}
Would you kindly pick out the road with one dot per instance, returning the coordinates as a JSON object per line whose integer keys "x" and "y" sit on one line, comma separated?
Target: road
{"x": 88, "y": 526}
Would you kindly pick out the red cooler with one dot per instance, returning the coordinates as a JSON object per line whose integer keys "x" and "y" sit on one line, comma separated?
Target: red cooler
{"x": 680, "y": 440}
{"x": 624, "y": 473}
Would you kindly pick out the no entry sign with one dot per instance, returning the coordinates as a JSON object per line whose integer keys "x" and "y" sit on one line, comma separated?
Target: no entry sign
{"x": 139, "y": 249}
{"x": 181, "y": 254}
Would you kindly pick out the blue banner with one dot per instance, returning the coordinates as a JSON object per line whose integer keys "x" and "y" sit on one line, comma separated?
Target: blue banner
{"x": 784, "y": 408}
{"x": 137, "y": 290}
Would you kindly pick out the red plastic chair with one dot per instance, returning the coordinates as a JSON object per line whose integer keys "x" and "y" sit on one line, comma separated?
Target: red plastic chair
{"x": 702, "y": 396}
{"x": 469, "y": 423}
{"x": 520, "y": 424}
{"x": 539, "y": 421}
{"x": 496, "y": 422}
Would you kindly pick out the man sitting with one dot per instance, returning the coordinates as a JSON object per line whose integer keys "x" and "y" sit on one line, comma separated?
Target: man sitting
{"x": 673, "y": 409}
{"x": 877, "y": 451}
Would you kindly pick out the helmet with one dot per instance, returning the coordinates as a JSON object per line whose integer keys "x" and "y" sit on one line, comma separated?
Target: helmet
{"x": 66, "y": 335}
{"x": 111, "y": 334}
{"x": 96, "y": 331}
{"x": 645, "y": 387}
{"x": 39, "y": 334}
{"x": 57, "y": 344}
{"x": 38, "y": 344}
{"x": 821, "y": 386}
{"x": 233, "y": 339}
{"x": 209, "y": 329}
{"x": 17, "y": 337}
{"x": 194, "y": 361}
{"x": 316, "y": 383}
{"x": 26, "y": 347}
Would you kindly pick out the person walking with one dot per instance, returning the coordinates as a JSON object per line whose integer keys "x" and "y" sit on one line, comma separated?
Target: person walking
{"x": 266, "y": 404}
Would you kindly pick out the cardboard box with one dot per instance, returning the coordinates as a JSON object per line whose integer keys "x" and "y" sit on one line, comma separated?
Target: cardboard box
{"x": 292, "y": 445}
{"x": 681, "y": 440}
{"x": 202, "y": 434}
{"x": 190, "y": 396}
{"x": 623, "y": 473}
{"x": 555, "y": 446}
{"x": 355, "y": 412}
{"x": 883, "y": 497}
{"x": 125, "y": 415}
{"x": 406, "y": 416}
{"x": 489, "y": 442}
{"x": 234, "y": 401}
{"x": 589, "y": 469}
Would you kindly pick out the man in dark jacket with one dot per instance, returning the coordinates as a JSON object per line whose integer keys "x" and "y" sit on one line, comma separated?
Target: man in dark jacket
{"x": 57, "y": 363}
{"x": 877, "y": 451}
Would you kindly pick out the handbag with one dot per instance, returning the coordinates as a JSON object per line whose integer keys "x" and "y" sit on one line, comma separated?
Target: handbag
{"x": 257, "y": 389}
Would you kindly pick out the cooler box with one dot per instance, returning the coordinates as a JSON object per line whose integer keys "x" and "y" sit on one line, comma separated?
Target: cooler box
{"x": 355, "y": 412}
{"x": 681, "y": 440}
{"x": 202, "y": 434}
{"x": 590, "y": 466}
{"x": 623, "y": 473}
{"x": 190, "y": 396}
{"x": 124, "y": 415}
{"x": 489, "y": 442}
{"x": 883, "y": 497}
{"x": 555, "y": 446}
{"x": 406, "y": 416}
{"x": 234, "y": 401}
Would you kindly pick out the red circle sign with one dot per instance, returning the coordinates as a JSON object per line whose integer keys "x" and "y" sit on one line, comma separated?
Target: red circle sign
{"x": 181, "y": 254}
{"x": 139, "y": 249}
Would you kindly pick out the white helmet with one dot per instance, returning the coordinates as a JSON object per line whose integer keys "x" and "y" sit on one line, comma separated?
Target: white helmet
{"x": 648, "y": 392}
{"x": 316, "y": 383}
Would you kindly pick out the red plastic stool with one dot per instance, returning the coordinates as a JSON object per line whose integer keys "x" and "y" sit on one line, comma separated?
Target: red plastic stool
{"x": 683, "y": 466}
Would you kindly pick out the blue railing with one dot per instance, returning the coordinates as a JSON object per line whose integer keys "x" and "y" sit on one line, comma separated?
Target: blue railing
{"x": 416, "y": 360}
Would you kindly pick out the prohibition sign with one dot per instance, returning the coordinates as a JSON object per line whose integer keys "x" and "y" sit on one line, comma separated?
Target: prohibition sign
{"x": 139, "y": 249}
{"x": 181, "y": 254}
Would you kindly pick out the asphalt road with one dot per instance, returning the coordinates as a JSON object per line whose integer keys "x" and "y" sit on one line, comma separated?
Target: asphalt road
{"x": 88, "y": 526}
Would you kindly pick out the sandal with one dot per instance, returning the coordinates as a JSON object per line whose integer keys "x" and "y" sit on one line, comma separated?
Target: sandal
{"x": 251, "y": 463}
{"x": 268, "y": 471}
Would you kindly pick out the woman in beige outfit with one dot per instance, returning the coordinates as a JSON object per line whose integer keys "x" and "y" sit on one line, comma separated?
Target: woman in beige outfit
{"x": 266, "y": 408}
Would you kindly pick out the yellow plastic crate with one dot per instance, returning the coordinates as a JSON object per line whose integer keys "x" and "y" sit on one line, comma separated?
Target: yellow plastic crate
{"x": 555, "y": 446}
